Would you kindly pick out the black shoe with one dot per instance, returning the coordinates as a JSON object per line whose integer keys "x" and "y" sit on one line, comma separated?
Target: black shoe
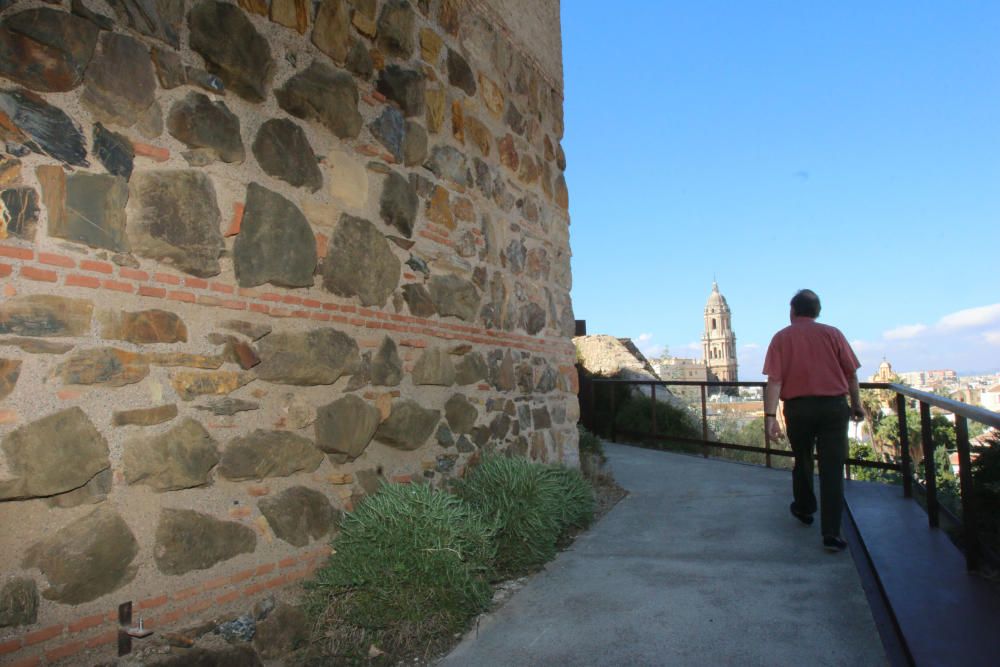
{"x": 834, "y": 544}
{"x": 801, "y": 516}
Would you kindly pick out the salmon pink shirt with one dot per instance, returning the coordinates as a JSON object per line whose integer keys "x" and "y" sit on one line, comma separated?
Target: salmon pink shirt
{"x": 810, "y": 359}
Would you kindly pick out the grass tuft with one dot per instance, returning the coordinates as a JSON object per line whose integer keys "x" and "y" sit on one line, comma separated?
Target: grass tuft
{"x": 531, "y": 504}
{"x": 411, "y": 566}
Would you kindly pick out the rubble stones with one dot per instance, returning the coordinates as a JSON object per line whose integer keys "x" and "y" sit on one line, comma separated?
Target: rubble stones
{"x": 114, "y": 151}
{"x": 285, "y": 629}
{"x": 45, "y": 315}
{"x": 387, "y": 367}
{"x": 201, "y": 123}
{"x": 228, "y": 406}
{"x": 104, "y": 366}
{"x": 93, "y": 211}
{"x": 187, "y": 540}
{"x": 404, "y": 87}
{"x": 346, "y": 426}
{"x": 359, "y": 262}
{"x": 299, "y": 513}
{"x": 90, "y": 557}
{"x": 10, "y": 370}
{"x": 143, "y": 326}
{"x": 461, "y": 414}
{"x": 471, "y": 369}
{"x": 316, "y": 357}
{"x": 53, "y": 455}
{"x": 396, "y": 29}
{"x": 398, "y": 206}
{"x": 414, "y": 144}
{"x": 18, "y": 602}
{"x": 174, "y": 218}
{"x": 169, "y": 68}
{"x": 19, "y": 213}
{"x": 276, "y": 244}
{"x": 181, "y": 458}
{"x": 459, "y": 73}
{"x": 332, "y": 31}
{"x": 145, "y": 416}
{"x": 448, "y": 163}
{"x": 283, "y": 151}
{"x": 191, "y": 384}
{"x": 454, "y": 296}
{"x": 419, "y": 300}
{"x": 242, "y": 59}
{"x": 268, "y": 454}
{"x": 159, "y": 19}
{"x": 120, "y": 84}
{"x": 434, "y": 367}
{"x": 324, "y": 94}
{"x": 390, "y": 129}
{"x": 46, "y": 50}
{"x": 50, "y": 130}
{"x": 408, "y": 426}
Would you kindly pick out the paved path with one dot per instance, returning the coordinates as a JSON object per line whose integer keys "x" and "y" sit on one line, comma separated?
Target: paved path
{"x": 700, "y": 565}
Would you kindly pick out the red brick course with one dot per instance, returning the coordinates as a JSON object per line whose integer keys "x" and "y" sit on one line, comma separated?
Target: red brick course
{"x": 56, "y": 260}
{"x": 43, "y": 275}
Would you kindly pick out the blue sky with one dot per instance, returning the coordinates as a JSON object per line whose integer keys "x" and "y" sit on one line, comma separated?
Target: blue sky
{"x": 849, "y": 147}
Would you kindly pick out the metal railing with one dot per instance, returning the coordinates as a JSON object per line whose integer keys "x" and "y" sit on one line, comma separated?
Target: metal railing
{"x": 968, "y": 522}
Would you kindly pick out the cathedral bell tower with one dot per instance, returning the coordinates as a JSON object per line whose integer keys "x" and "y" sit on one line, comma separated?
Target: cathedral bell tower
{"x": 719, "y": 342}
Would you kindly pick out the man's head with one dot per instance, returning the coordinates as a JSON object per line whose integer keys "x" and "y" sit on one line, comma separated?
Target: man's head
{"x": 805, "y": 303}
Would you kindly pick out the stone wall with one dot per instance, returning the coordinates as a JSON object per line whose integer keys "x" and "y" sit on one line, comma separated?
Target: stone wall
{"x": 255, "y": 257}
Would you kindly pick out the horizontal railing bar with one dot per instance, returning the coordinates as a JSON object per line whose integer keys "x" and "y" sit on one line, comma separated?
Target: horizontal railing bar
{"x": 973, "y": 412}
{"x": 689, "y": 383}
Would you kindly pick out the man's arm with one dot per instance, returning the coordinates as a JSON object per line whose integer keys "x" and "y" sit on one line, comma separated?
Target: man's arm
{"x": 857, "y": 410}
{"x": 771, "y": 394}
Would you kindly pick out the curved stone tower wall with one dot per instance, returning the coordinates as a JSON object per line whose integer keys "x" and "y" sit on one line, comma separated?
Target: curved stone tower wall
{"x": 256, "y": 257}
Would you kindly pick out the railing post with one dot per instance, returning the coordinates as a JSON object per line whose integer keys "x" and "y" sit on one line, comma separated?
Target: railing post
{"x": 704, "y": 421}
{"x": 652, "y": 392}
{"x": 970, "y": 526}
{"x": 930, "y": 477}
{"x": 614, "y": 412}
{"x": 592, "y": 405}
{"x": 904, "y": 445}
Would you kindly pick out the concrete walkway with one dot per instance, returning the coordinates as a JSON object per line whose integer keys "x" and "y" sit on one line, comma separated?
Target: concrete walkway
{"x": 700, "y": 565}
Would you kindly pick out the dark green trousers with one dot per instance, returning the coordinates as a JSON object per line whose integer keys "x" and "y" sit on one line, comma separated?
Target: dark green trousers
{"x": 819, "y": 423}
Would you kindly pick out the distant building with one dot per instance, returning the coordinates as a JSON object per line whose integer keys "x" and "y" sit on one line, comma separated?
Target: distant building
{"x": 719, "y": 341}
{"x": 990, "y": 398}
{"x": 885, "y": 373}
{"x": 679, "y": 368}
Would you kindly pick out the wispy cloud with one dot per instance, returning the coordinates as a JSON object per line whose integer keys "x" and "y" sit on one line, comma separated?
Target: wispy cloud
{"x": 968, "y": 319}
{"x": 971, "y": 317}
{"x": 904, "y": 332}
{"x": 964, "y": 340}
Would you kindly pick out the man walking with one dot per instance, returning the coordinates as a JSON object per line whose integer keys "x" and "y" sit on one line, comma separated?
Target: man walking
{"x": 811, "y": 367}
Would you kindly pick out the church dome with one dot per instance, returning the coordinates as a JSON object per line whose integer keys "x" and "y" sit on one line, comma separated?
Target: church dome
{"x": 715, "y": 300}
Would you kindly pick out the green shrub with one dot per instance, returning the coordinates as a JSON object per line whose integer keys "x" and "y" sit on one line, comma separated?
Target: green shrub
{"x": 531, "y": 504}
{"x": 635, "y": 414}
{"x": 411, "y": 566}
{"x": 577, "y": 507}
{"x": 591, "y": 444}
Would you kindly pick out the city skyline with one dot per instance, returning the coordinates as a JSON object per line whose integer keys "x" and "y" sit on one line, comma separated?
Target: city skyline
{"x": 848, "y": 148}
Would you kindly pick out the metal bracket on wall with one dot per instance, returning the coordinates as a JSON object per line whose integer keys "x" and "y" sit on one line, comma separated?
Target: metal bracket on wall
{"x": 124, "y": 621}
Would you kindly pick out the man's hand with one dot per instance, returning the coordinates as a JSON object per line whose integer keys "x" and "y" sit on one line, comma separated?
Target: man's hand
{"x": 773, "y": 429}
{"x": 858, "y": 413}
